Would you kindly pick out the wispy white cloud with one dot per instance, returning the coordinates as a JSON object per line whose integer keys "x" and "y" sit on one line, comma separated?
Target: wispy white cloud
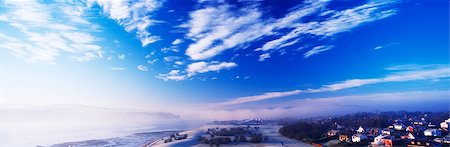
{"x": 177, "y": 41}
{"x": 291, "y": 21}
{"x": 142, "y": 68}
{"x": 405, "y": 67}
{"x": 132, "y": 15}
{"x": 196, "y": 68}
{"x": 216, "y": 29}
{"x": 202, "y": 67}
{"x": 386, "y": 45}
{"x": 340, "y": 21}
{"x": 179, "y": 63}
{"x": 121, "y": 56}
{"x": 152, "y": 61}
{"x": 288, "y": 43}
{"x": 316, "y": 50}
{"x": 175, "y": 75}
{"x": 347, "y": 19}
{"x": 171, "y": 58}
{"x": 75, "y": 13}
{"x": 172, "y": 48}
{"x": 263, "y": 57}
{"x": 117, "y": 68}
{"x": 45, "y": 32}
{"x": 440, "y": 72}
{"x": 269, "y": 95}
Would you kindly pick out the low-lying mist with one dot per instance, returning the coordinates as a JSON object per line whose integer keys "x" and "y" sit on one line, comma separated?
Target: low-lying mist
{"x": 29, "y": 125}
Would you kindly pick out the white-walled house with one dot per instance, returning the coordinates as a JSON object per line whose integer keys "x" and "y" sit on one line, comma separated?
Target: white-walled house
{"x": 410, "y": 136}
{"x": 409, "y": 129}
{"x": 358, "y": 137}
{"x": 332, "y": 133}
{"x": 432, "y": 132}
{"x": 378, "y": 140}
{"x": 399, "y": 126}
{"x": 360, "y": 130}
{"x": 421, "y": 122}
{"x": 386, "y": 132}
{"x": 445, "y": 124}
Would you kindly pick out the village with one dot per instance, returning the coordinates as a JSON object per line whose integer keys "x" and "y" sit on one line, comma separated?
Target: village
{"x": 401, "y": 133}
{"x": 406, "y": 131}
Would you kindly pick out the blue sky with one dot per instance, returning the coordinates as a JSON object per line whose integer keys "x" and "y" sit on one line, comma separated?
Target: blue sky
{"x": 226, "y": 57}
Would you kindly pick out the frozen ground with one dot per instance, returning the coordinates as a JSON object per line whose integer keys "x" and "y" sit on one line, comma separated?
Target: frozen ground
{"x": 135, "y": 140}
{"x": 271, "y": 131}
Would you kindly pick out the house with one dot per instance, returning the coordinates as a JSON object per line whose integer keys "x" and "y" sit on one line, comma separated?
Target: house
{"x": 432, "y": 132}
{"x": 393, "y": 141}
{"x": 386, "y": 132}
{"x": 387, "y": 141}
{"x": 409, "y": 136}
{"x": 399, "y": 126}
{"x": 447, "y": 140}
{"x": 344, "y": 138}
{"x": 359, "y": 137}
{"x": 438, "y": 140}
{"x": 374, "y": 131}
{"x": 409, "y": 129}
{"x": 432, "y": 126}
{"x": 168, "y": 140}
{"x": 180, "y": 137}
{"x": 417, "y": 143}
{"x": 360, "y": 130}
{"x": 419, "y": 128}
{"x": 444, "y": 125}
{"x": 420, "y": 122}
{"x": 332, "y": 133}
{"x": 378, "y": 140}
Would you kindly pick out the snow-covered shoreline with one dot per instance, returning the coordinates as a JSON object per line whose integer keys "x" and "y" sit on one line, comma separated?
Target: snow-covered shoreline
{"x": 134, "y": 140}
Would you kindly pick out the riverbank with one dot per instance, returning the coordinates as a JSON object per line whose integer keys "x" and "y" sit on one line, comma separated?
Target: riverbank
{"x": 134, "y": 140}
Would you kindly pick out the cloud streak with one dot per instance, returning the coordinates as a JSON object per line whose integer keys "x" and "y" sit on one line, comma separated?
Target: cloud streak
{"x": 117, "y": 68}
{"x": 386, "y": 45}
{"x": 142, "y": 68}
{"x": 196, "y": 68}
{"x": 439, "y": 72}
{"x": 177, "y": 41}
{"x": 316, "y": 50}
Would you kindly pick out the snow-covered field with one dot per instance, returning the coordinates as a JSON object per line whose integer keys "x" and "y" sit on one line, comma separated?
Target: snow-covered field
{"x": 271, "y": 131}
{"x": 135, "y": 140}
